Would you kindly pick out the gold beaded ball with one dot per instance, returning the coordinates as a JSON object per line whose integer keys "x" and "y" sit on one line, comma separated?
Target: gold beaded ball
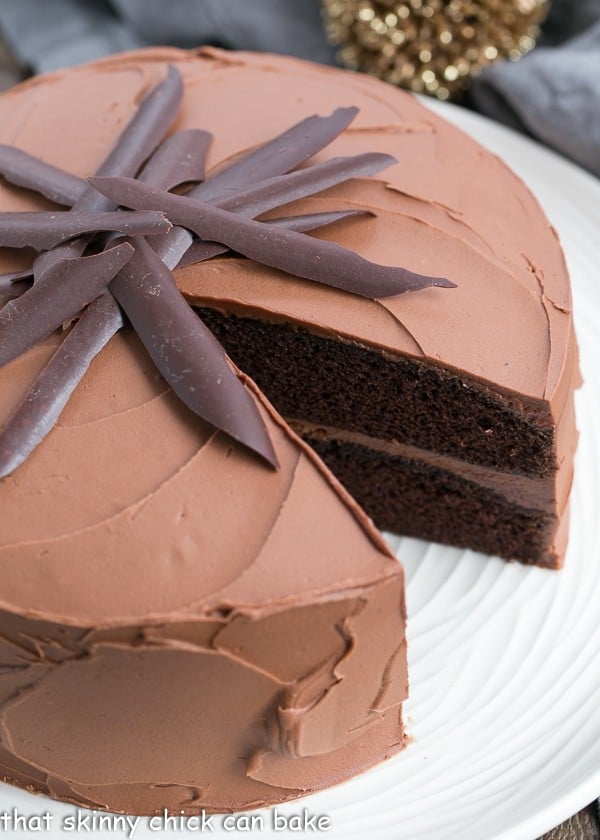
{"x": 431, "y": 46}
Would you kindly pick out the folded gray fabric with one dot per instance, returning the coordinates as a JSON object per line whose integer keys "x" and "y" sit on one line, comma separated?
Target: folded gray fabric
{"x": 46, "y": 34}
{"x": 292, "y": 27}
{"x": 553, "y": 93}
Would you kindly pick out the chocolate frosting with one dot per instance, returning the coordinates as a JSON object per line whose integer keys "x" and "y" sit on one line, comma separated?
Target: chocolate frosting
{"x": 201, "y": 573}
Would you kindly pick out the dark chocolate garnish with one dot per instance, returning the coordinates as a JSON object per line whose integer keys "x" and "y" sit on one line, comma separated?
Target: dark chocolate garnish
{"x": 314, "y": 259}
{"x": 42, "y": 406}
{"x": 185, "y": 351}
{"x": 99, "y": 321}
{"x": 179, "y": 159}
{"x": 102, "y": 318}
{"x": 14, "y": 289}
{"x": 282, "y": 189}
{"x": 59, "y": 295}
{"x": 281, "y": 154}
{"x": 182, "y": 155}
{"x": 6, "y": 280}
{"x": 47, "y": 229}
{"x": 275, "y": 157}
{"x": 141, "y": 136}
{"x": 273, "y": 192}
{"x": 201, "y": 250}
{"x": 25, "y": 170}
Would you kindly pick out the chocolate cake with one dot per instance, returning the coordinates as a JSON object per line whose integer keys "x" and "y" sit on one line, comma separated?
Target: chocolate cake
{"x": 180, "y": 626}
{"x": 193, "y": 612}
{"x": 158, "y": 566}
{"x": 448, "y": 416}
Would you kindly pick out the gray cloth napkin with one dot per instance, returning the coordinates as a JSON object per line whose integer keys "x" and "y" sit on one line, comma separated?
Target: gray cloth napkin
{"x": 46, "y": 34}
{"x": 552, "y": 94}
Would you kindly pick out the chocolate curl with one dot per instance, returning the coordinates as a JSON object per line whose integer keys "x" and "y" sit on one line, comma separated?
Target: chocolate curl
{"x": 47, "y": 229}
{"x": 200, "y": 250}
{"x": 275, "y": 157}
{"x": 281, "y": 154}
{"x": 49, "y": 394}
{"x": 136, "y": 143}
{"x": 183, "y": 155}
{"x": 179, "y": 159}
{"x": 99, "y": 321}
{"x": 25, "y": 170}
{"x": 318, "y": 260}
{"x": 187, "y": 354}
{"x": 140, "y": 138}
{"x": 10, "y": 279}
{"x": 50, "y": 301}
{"x": 283, "y": 189}
{"x": 14, "y": 290}
{"x": 275, "y": 191}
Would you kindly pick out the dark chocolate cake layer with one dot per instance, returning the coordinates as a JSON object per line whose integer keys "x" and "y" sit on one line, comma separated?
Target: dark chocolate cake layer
{"x": 496, "y": 498}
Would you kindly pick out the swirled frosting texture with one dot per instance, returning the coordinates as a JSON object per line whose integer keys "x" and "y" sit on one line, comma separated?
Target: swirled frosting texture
{"x": 157, "y": 578}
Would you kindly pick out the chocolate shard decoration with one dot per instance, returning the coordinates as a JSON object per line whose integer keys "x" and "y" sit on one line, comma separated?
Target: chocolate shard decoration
{"x": 59, "y": 295}
{"x": 273, "y": 192}
{"x": 179, "y": 159}
{"x": 42, "y": 406}
{"x": 25, "y": 170}
{"x": 275, "y": 157}
{"x": 314, "y": 221}
{"x": 6, "y": 280}
{"x": 182, "y": 155}
{"x": 47, "y": 229}
{"x": 141, "y": 136}
{"x": 14, "y": 289}
{"x": 201, "y": 250}
{"x": 99, "y": 321}
{"x": 281, "y": 154}
{"x": 186, "y": 352}
{"x": 313, "y": 259}
{"x": 284, "y": 189}
{"x": 172, "y": 333}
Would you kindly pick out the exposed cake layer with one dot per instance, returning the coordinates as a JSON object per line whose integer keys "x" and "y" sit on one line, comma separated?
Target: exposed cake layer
{"x": 496, "y": 513}
{"x": 180, "y": 625}
{"x": 426, "y": 452}
{"x": 359, "y": 388}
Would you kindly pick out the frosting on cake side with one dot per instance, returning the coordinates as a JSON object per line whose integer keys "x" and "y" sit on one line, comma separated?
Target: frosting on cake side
{"x": 181, "y": 626}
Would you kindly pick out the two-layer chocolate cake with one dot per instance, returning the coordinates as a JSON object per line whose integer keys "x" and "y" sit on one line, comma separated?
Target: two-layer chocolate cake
{"x": 194, "y": 616}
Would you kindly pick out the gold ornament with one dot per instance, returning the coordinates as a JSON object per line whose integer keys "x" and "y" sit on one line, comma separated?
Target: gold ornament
{"x": 431, "y": 46}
